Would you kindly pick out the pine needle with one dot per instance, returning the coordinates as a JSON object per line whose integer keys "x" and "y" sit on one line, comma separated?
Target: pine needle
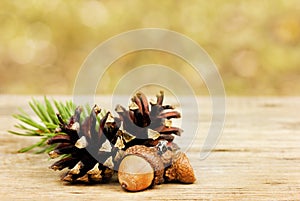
{"x": 47, "y": 122}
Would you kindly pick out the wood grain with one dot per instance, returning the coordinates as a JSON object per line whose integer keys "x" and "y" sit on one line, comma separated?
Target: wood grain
{"x": 257, "y": 157}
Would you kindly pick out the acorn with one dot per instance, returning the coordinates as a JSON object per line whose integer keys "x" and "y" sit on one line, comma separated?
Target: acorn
{"x": 180, "y": 170}
{"x": 140, "y": 168}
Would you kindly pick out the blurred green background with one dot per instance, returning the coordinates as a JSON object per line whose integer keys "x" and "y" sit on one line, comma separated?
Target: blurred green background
{"x": 255, "y": 44}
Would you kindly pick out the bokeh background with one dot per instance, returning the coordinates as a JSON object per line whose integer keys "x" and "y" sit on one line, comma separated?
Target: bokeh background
{"x": 255, "y": 44}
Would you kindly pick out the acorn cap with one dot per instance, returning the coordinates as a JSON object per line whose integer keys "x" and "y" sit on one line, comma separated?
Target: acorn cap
{"x": 180, "y": 170}
{"x": 140, "y": 168}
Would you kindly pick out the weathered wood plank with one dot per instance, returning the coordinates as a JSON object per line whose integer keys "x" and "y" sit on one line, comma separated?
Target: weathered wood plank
{"x": 257, "y": 158}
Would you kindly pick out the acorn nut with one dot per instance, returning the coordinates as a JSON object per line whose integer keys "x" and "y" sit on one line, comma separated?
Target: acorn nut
{"x": 140, "y": 168}
{"x": 180, "y": 170}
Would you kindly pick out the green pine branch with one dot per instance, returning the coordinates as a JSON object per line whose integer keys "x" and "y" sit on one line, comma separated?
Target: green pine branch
{"x": 44, "y": 127}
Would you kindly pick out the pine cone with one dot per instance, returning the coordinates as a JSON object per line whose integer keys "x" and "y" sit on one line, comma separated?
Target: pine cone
{"x": 81, "y": 144}
{"x": 149, "y": 127}
{"x": 92, "y": 154}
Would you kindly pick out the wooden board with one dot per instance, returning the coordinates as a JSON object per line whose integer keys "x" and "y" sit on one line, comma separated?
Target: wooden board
{"x": 256, "y": 158}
